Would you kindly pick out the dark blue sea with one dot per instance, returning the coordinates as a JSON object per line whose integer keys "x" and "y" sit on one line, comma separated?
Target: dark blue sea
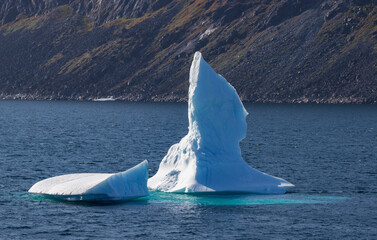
{"x": 328, "y": 151}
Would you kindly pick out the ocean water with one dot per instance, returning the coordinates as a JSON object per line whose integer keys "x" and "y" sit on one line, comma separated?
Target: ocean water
{"x": 328, "y": 151}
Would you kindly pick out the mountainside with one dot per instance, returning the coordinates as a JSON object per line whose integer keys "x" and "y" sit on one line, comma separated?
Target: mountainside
{"x": 141, "y": 50}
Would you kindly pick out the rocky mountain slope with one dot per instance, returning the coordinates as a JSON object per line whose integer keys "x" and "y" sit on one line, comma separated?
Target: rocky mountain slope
{"x": 141, "y": 50}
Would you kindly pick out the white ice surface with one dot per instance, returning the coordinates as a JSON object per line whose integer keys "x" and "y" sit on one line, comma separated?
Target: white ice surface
{"x": 208, "y": 158}
{"x": 126, "y": 185}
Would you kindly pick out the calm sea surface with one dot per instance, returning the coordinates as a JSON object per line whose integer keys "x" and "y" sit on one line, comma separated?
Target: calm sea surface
{"x": 328, "y": 151}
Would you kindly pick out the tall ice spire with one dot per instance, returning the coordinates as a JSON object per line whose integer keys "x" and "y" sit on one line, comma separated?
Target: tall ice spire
{"x": 208, "y": 158}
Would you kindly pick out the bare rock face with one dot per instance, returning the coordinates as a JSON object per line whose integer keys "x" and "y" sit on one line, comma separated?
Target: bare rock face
{"x": 10, "y": 9}
{"x": 286, "y": 9}
{"x": 97, "y": 10}
{"x": 139, "y": 50}
{"x": 105, "y": 11}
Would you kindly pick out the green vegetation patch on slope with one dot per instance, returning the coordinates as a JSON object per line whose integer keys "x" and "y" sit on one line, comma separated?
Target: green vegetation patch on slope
{"x": 22, "y": 23}
{"x": 84, "y": 63}
{"x": 54, "y": 59}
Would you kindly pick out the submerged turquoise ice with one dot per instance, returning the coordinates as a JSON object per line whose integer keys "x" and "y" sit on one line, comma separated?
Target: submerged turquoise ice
{"x": 205, "y": 199}
{"x": 157, "y": 197}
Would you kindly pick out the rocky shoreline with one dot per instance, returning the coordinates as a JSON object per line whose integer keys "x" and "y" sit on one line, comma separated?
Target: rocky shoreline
{"x": 170, "y": 99}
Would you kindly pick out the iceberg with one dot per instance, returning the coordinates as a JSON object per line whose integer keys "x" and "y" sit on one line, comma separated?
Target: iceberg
{"x": 109, "y": 99}
{"x": 208, "y": 158}
{"x": 122, "y": 186}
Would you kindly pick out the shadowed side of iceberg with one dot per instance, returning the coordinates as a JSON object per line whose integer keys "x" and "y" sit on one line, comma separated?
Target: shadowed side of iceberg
{"x": 126, "y": 185}
{"x": 208, "y": 158}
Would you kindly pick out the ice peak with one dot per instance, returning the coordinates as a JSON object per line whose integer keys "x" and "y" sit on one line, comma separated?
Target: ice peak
{"x": 216, "y": 114}
{"x": 209, "y": 158}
